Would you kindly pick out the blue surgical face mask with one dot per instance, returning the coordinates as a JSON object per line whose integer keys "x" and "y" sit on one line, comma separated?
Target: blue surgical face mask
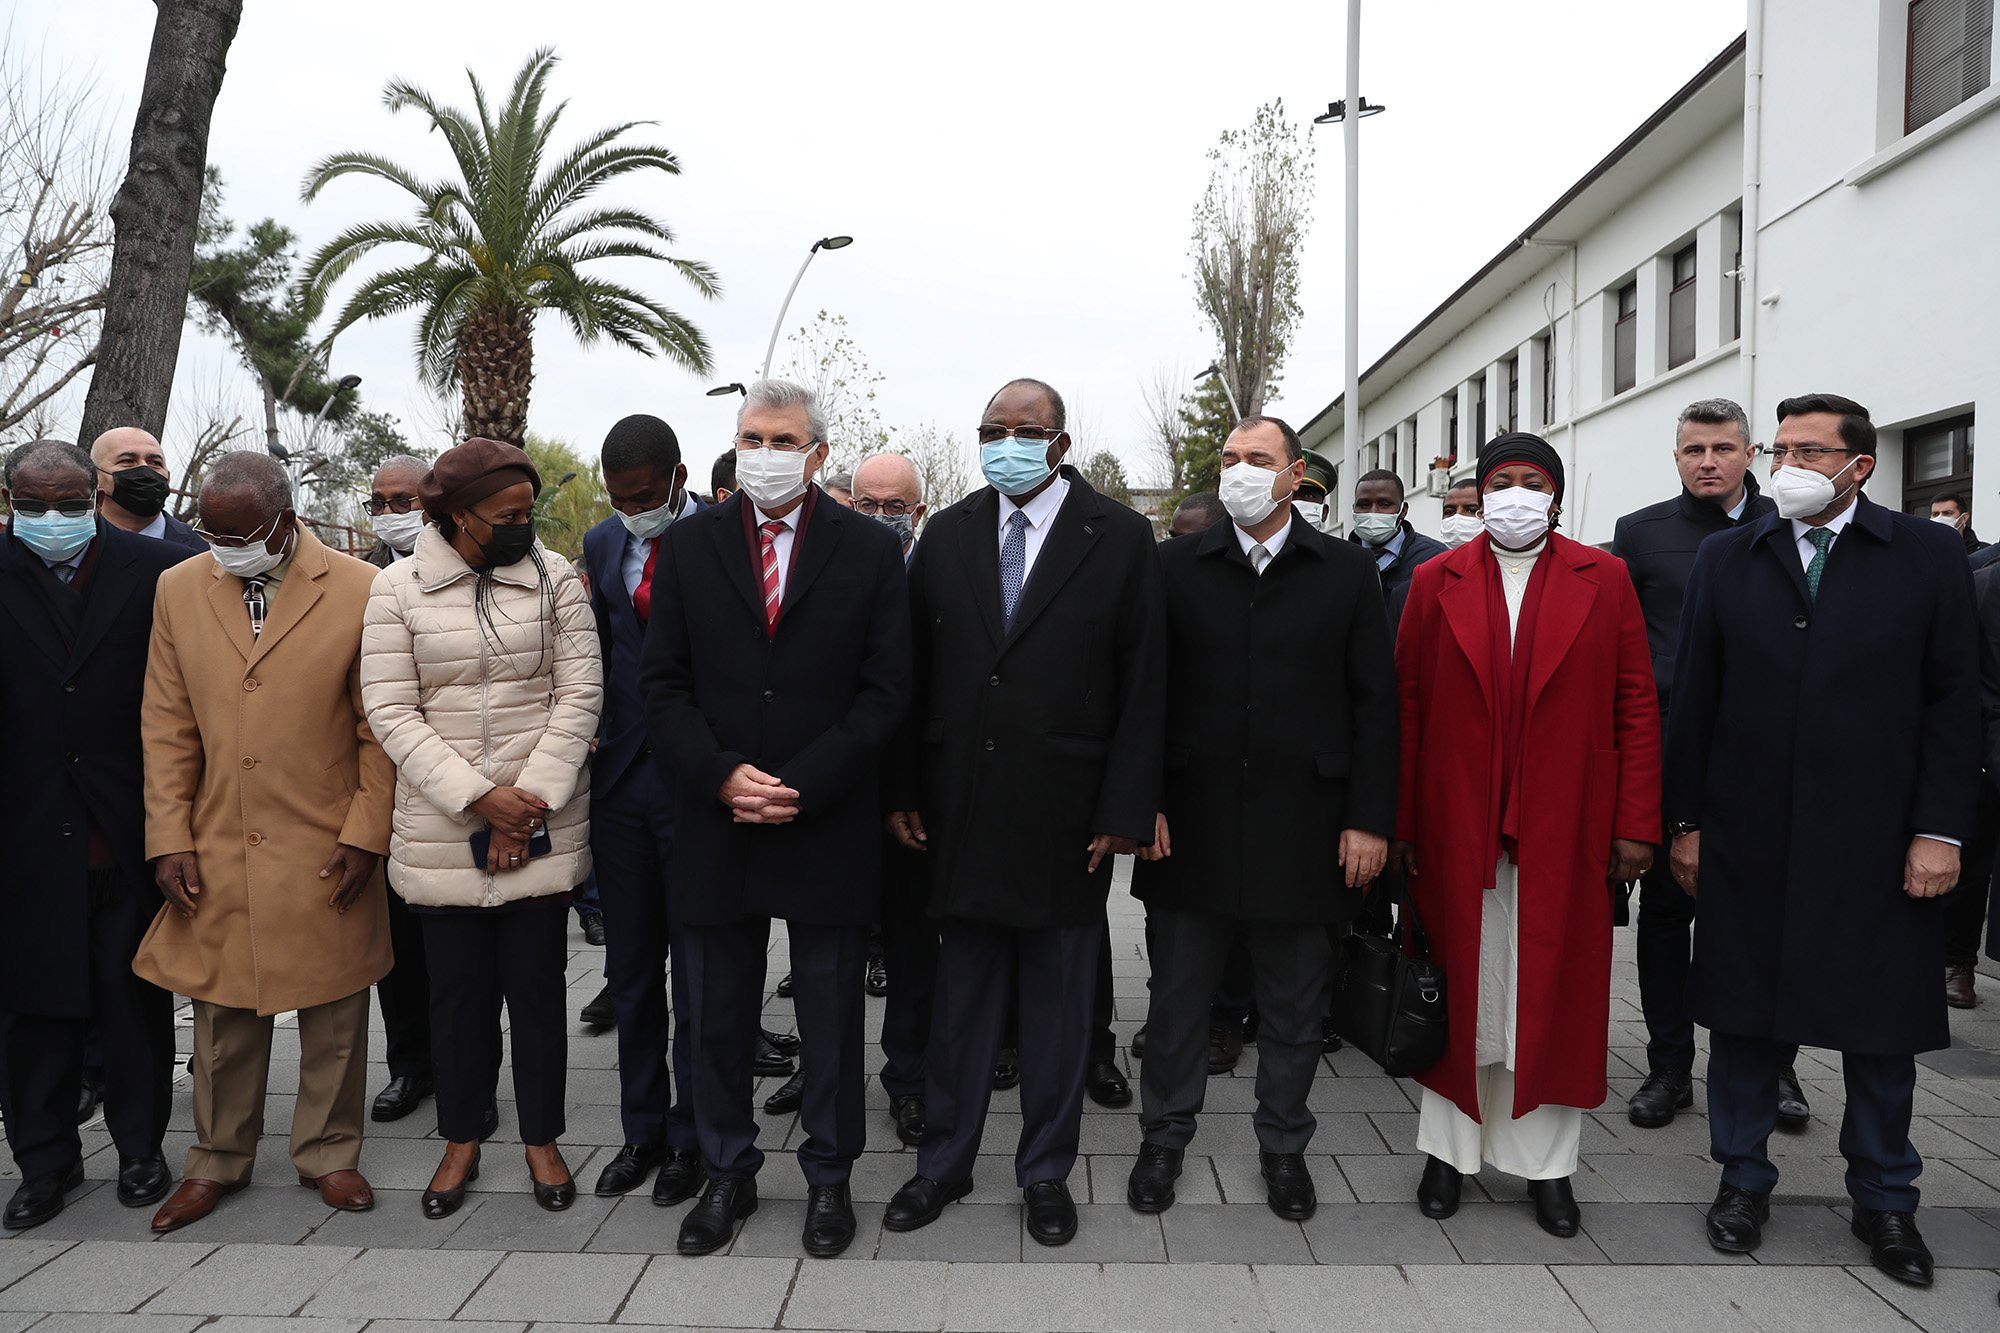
{"x": 1014, "y": 466}
{"x": 55, "y": 537}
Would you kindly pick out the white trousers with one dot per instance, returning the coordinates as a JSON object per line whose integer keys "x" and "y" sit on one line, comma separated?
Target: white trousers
{"x": 1541, "y": 1145}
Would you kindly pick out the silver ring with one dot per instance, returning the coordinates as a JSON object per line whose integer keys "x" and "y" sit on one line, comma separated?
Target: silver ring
{"x": 513, "y": 858}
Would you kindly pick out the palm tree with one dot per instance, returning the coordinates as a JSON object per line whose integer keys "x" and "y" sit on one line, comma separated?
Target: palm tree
{"x": 503, "y": 241}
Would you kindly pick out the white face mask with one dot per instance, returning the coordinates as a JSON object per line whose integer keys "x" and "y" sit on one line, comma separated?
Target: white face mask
{"x": 1245, "y": 490}
{"x": 652, "y": 522}
{"x": 1802, "y": 492}
{"x": 1517, "y": 517}
{"x": 1945, "y": 519}
{"x": 1312, "y": 511}
{"x": 1460, "y": 529}
{"x": 400, "y": 531}
{"x": 1377, "y": 529}
{"x": 248, "y": 562}
{"x": 772, "y": 477}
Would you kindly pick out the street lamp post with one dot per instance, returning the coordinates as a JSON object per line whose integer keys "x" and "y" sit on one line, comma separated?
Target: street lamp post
{"x": 823, "y": 243}
{"x": 343, "y": 385}
{"x": 1215, "y": 369}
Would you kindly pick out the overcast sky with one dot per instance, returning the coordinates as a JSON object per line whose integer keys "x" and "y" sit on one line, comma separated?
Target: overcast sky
{"x": 1019, "y": 178}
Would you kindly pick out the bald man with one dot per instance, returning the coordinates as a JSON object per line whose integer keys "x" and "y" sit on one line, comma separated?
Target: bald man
{"x": 133, "y": 478}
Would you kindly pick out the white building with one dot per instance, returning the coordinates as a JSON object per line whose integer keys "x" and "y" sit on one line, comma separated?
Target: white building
{"x": 1838, "y": 162}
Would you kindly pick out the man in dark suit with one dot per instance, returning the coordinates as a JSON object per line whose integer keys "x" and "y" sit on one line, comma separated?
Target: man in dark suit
{"x": 76, "y": 597}
{"x": 776, "y": 671}
{"x": 1381, "y": 525}
{"x": 1713, "y": 453}
{"x": 1257, "y": 606}
{"x": 632, "y": 817}
{"x": 1038, "y": 727}
{"x": 1822, "y": 771}
{"x": 133, "y": 477}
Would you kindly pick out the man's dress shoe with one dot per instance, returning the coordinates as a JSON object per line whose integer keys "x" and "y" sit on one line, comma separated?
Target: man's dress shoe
{"x": 628, "y": 1170}
{"x": 593, "y": 929}
{"x": 1894, "y": 1244}
{"x": 194, "y": 1200}
{"x": 921, "y": 1202}
{"x": 876, "y": 980}
{"x": 1051, "y": 1212}
{"x": 39, "y": 1200}
{"x": 1225, "y": 1047}
{"x": 1106, "y": 1086}
{"x": 143, "y": 1180}
{"x": 402, "y": 1096}
{"x": 785, "y": 987}
{"x": 1288, "y": 1185}
{"x": 908, "y": 1113}
{"x": 1006, "y": 1070}
{"x": 1438, "y": 1189}
{"x": 785, "y": 1043}
{"x": 1150, "y": 1188}
{"x": 829, "y": 1225}
{"x": 346, "y": 1190}
{"x": 1793, "y": 1113}
{"x": 789, "y": 1097}
{"x": 89, "y": 1098}
{"x": 600, "y": 1012}
{"x": 1736, "y": 1219}
{"x": 681, "y": 1175}
{"x": 771, "y": 1062}
{"x": 1555, "y": 1206}
{"x": 710, "y": 1223}
{"x": 1664, "y": 1092}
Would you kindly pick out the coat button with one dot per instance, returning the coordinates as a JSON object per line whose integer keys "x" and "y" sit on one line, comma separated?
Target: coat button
{"x": 69, "y": 687}
{"x": 254, "y": 839}
{"x": 769, "y": 695}
{"x": 993, "y": 680}
{"x": 756, "y": 633}
{"x": 68, "y": 829}
{"x": 1800, "y": 623}
{"x": 249, "y": 682}
{"x": 989, "y": 745}
{"x": 71, "y": 756}
{"x": 248, "y": 762}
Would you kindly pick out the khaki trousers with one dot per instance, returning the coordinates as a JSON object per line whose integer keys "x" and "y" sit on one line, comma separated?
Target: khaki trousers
{"x": 232, "y": 1065}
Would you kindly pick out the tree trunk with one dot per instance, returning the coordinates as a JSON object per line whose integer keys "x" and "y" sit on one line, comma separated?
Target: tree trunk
{"x": 154, "y": 217}
{"x": 496, "y": 366}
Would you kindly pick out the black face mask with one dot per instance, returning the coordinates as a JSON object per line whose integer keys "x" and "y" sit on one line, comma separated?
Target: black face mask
{"x": 140, "y": 491}
{"x": 507, "y": 543}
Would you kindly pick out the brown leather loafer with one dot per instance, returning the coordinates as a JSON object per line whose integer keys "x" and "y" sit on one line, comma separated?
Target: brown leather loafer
{"x": 194, "y": 1200}
{"x": 345, "y": 1190}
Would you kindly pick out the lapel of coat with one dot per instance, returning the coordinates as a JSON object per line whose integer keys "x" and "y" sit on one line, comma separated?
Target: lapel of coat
{"x": 24, "y": 603}
{"x": 296, "y": 594}
{"x": 822, "y": 534}
{"x": 1775, "y": 533}
{"x": 111, "y": 586}
{"x": 1072, "y": 533}
{"x": 726, "y": 525}
{"x": 1462, "y": 603}
{"x": 1567, "y": 599}
{"x": 979, "y": 543}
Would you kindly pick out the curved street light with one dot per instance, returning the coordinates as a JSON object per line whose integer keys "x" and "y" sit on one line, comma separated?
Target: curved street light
{"x": 1215, "y": 369}
{"x": 823, "y": 243}
{"x": 723, "y": 390}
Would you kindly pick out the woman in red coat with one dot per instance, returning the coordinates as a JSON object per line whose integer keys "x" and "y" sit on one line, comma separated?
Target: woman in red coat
{"x": 1530, "y": 775}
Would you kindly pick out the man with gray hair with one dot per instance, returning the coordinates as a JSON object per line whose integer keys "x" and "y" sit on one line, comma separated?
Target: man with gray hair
{"x": 1713, "y": 452}
{"x": 394, "y": 511}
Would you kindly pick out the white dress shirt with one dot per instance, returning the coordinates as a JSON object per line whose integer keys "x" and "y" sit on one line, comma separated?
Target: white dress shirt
{"x": 782, "y": 544}
{"x": 1041, "y": 516}
{"x": 157, "y": 529}
{"x": 1272, "y": 545}
{"x": 632, "y": 564}
{"x": 1835, "y": 525}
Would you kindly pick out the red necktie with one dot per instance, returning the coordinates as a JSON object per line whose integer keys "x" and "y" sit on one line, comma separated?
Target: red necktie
{"x": 642, "y": 596}
{"x": 772, "y": 599}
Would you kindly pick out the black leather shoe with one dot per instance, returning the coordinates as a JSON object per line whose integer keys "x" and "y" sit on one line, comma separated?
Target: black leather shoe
{"x": 771, "y": 1062}
{"x": 1793, "y": 1113}
{"x": 1438, "y": 1189}
{"x": 681, "y": 1174}
{"x": 921, "y": 1202}
{"x": 908, "y": 1113}
{"x": 1736, "y": 1219}
{"x": 877, "y": 980}
{"x": 709, "y": 1225}
{"x": 1051, "y": 1212}
{"x": 1894, "y": 1244}
{"x": 789, "y": 1097}
{"x": 1139, "y": 1043}
{"x": 627, "y": 1171}
{"x": 829, "y": 1225}
{"x": 143, "y": 1180}
{"x": 1664, "y": 1092}
{"x": 1106, "y": 1086}
{"x": 599, "y": 1013}
{"x": 1006, "y": 1071}
{"x": 402, "y": 1096}
{"x": 555, "y": 1198}
{"x": 785, "y": 1043}
{"x": 785, "y": 987}
{"x": 1329, "y": 1040}
{"x": 1555, "y": 1206}
{"x": 440, "y": 1204}
{"x": 89, "y": 1098}
{"x": 1150, "y": 1189}
{"x": 491, "y": 1125}
{"x": 1288, "y": 1185}
{"x": 593, "y": 929}
{"x": 39, "y": 1200}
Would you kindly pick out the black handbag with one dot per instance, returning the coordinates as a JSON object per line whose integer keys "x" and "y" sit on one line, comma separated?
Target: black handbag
{"x": 1389, "y": 1004}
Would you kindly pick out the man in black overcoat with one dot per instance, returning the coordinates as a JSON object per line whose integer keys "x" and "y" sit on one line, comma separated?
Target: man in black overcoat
{"x": 1713, "y": 454}
{"x": 776, "y": 671}
{"x": 1380, "y": 525}
{"x": 1261, "y": 608}
{"x": 1038, "y": 728}
{"x": 1822, "y": 771}
{"x": 76, "y": 897}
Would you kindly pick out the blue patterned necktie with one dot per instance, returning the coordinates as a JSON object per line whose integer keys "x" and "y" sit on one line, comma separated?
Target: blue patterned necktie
{"x": 1013, "y": 565}
{"x": 1821, "y": 538}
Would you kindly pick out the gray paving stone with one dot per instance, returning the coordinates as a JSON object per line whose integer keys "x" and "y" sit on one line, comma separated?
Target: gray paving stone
{"x": 1241, "y": 1177}
{"x": 1376, "y": 1233}
{"x": 1106, "y": 1233}
{"x": 281, "y": 1324}
{"x": 1232, "y": 1234}
{"x": 396, "y": 1222}
{"x": 585, "y": 1288}
{"x": 1110, "y": 1174}
{"x": 1181, "y": 1298}
{"x": 969, "y": 1232}
{"x": 1670, "y": 1179}
{"x": 1959, "y": 1303}
{"x": 102, "y": 1276}
{"x": 888, "y": 1296}
{"x": 772, "y": 1232}
{"x": 1808, "y": 1235}
{"x": 1507, "y": 1233}
{"x": 1357, "y": 1095}
{"x": 517, "y": 1222}
{"x": 1375, "y": 1179}
{"x": 402, "y": 1284}
{"x": 92, "y": 1213}
{"x": 1496, "y": 1299}
{"x": 1653, "y": 1233}
{"x": 119, "y": 1323}
{"x": 1004, "y": 1298}
{"x": 14, "y": 1321}
{"x": 1795, "y": 1300}
{"x": 252, "y": 1280}
{"x": 1310, "y": 1300}
{"x": 727, "y": 1293}
{"x": 22, "y": 1255}
{"x": 637, "y": 1225}
{"x": 274, "y": 1214}
{"x": 452, "y": 1326}
{"x": 1588, "y": 1184}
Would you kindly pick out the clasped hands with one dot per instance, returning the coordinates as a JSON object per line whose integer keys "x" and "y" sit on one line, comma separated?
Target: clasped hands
{"x": 513, "y": 815}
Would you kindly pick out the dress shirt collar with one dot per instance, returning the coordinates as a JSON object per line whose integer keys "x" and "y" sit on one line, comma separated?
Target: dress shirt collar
{"x": 1040, "y": 510}
{"x": 1736, "y": 514}
{"x": 157, "y": 529}
{"x": 1835, "y": 525}
{"x": 790, "y": 520}
{"x": 1272, "y": 544}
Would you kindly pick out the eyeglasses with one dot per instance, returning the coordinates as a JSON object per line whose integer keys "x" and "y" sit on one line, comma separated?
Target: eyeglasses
{"x": 1803, "y": 453}
{"x": 992, "y": 434}
{"x": 893, "y": 508}
{"x": 402, "y": 504}
{"x": 262, "y": 535}
{"x": 36, "y": 508}
{"x": 752, "y": 442}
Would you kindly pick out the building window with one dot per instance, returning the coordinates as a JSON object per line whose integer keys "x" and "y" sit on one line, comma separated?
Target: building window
{"x": 1513, "y": 393}
{"x": 1548, "y": 343}
{"x": 1680, "y": 310}
{"x": 1950, "y": 57}
{"x": 1937, "y": 460}
{"x": 1625, "y": 340}
{"x": 1736, "y": 285}
{"x": 1479, "y": 412}
{"x": 1451, "y": 428}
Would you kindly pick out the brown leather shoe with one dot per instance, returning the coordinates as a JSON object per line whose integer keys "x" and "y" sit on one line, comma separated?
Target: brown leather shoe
{"x": 194, "y": 1200}
{"x": 345, "y": 1190}
{"x": 1958, "y": 991}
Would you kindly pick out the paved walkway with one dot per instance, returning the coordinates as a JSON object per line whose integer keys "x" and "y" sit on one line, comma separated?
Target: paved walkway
{"x": 274, "y": 1258}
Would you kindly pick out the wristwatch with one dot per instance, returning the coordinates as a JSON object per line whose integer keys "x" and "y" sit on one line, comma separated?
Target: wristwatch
{"x": 1682, "y": 828}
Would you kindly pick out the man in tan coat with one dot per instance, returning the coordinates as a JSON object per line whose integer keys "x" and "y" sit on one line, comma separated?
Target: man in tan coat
{"x": 267, "y": 814}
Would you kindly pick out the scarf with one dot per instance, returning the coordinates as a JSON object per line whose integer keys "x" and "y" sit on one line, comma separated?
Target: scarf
{"x": 1510, "y": 679}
